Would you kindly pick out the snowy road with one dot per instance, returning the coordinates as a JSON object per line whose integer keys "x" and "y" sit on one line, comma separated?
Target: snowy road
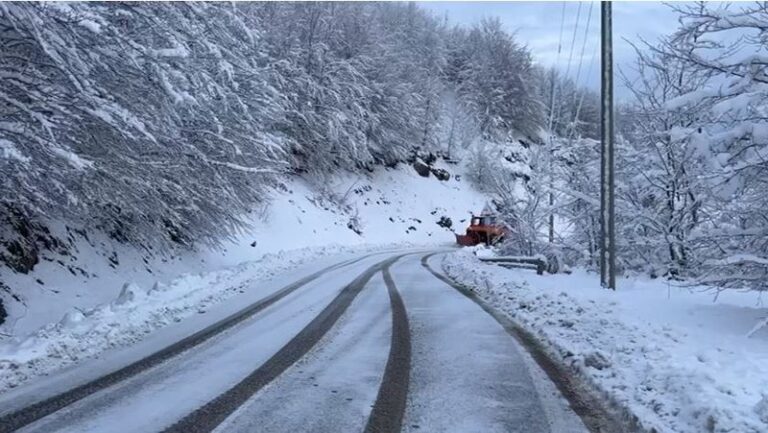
{"x": 377, "y": 344}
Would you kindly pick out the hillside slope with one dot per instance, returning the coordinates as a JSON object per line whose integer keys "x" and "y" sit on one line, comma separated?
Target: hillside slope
{"x": 384, "y": 207}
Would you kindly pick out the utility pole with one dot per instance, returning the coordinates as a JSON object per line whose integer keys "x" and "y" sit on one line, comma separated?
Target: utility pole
{"x": 607, "y": 214}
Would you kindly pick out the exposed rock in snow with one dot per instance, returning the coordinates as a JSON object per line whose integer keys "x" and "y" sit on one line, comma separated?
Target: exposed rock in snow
{"x": 441, "y": 174}
{"x": 421, "y": 167}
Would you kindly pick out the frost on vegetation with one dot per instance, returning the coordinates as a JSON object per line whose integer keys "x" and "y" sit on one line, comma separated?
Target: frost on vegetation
{"x": 90, "y": 25}
{"x": 724, "y": 106}
{"x": 177, "y": 51}
{"x": 11, "y": 152}
{"x": 73, "y": 159}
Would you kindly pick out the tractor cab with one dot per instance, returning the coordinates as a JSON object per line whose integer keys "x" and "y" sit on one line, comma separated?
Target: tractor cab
{"x": 483, "y": 220}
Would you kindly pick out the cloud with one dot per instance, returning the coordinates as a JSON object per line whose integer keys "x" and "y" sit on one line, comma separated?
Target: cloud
{"x": 537, "y": 25}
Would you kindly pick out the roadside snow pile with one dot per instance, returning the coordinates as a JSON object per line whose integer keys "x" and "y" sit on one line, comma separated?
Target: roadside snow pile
{"x": 138, "y": 311}
{"x": 671, "y": 356}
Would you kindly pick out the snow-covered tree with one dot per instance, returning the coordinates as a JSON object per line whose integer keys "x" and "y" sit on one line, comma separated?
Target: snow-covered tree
{"x": 498, "y": 80}
{"x": 661, "y": 198}
{"x": 727, "y": 44}
{"x": 574, "y": 111}
{"x": 162, "y": 124}
{"x": 146, "y": 121}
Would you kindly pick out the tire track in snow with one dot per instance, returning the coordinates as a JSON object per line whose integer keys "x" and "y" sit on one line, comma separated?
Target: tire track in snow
{"x": 592, "y": 411}
{"x": 27, "y": 415}
{"x": 389, "y": 408}
{"x": 208, "y": 417}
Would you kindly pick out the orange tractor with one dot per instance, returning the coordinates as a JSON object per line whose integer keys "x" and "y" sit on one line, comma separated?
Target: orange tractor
{"x": 485, "y": 229}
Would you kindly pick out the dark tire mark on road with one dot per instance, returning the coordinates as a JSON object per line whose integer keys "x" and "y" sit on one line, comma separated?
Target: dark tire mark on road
{"x": 389, "y": 409}
{"x": 592, "y": 410}
{"x": 25, "y": 416}
{"x": 213, "y": 413}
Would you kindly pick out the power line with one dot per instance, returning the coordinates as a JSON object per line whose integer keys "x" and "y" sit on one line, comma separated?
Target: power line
{"x": 578, "y": 70}
{"x": 570, "y": 55}
{"x": 573, "y": 40}
{"x": 584, "y": 42}
{"x": 557, "y": 62}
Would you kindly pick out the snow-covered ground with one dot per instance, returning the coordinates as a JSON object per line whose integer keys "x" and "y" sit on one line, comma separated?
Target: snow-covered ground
{"x": 107, "y": 295}
{"x": 676, "y": 357}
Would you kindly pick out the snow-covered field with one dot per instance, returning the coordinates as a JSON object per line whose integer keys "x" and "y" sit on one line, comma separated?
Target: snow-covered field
{"x": 676, "y": 357}
{"x": 108, "y": 296}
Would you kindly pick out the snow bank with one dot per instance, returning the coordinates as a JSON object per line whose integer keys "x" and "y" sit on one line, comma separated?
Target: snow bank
{"x": 671, "y": 356}
{"x": 138, "y": 311}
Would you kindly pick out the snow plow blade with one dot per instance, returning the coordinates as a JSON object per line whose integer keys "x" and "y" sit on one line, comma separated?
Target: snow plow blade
{"x": 465, "y": 241}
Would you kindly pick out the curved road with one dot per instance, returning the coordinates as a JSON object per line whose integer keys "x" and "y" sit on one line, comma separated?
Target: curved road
{"x": 378, "y": 344}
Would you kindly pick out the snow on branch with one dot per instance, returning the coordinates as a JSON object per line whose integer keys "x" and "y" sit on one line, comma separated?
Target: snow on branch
{"x": 245, "y": 169}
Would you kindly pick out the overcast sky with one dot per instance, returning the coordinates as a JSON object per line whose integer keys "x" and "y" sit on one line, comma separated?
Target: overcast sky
{"x": 537, "y": 24}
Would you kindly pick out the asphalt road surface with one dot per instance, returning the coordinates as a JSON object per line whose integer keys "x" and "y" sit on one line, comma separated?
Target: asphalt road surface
{"x": 382, "y": 343}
